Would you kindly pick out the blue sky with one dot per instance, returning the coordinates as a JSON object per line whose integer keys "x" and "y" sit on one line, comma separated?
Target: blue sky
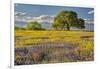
{"x": 37, "y": 10}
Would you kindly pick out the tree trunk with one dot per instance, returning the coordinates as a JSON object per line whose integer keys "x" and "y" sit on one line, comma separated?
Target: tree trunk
{"x": 68, "y": 28}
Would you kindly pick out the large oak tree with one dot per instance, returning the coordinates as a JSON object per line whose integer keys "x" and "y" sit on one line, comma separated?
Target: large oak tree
{"x": 66, "y": 19}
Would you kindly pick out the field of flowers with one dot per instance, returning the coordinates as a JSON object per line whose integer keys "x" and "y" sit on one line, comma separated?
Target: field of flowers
{"x": 38, "y": 47}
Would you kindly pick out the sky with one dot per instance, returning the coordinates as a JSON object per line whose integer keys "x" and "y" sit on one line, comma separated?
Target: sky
{"x": 31, "y": 10}
{"x": 25, "y": 13}
{"x": 45, "y": 14}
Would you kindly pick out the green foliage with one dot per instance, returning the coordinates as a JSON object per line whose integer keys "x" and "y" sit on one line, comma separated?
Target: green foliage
{"x": 19, "y": 28}
{"x": 80, "y": 23}
{"x": 66, "y": 19}
{"x": 34, "y": 26}
{"x": 16, "y": 27}
{"x": 55, "y": 25}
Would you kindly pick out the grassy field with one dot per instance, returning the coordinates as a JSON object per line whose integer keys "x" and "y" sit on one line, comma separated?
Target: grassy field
{"x": 36, "y": 47}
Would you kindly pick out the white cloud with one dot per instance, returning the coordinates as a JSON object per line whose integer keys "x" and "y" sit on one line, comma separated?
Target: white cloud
{"x": 21, "y": 16}
{"x": 89, "y": 21}
{"x": 91, "y": 12}
{"x": 86, "y": 19}
{"x": 43, "y": 18}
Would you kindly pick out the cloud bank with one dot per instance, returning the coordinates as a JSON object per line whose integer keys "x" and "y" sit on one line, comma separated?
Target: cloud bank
{"x": 21, "y": 16}
{"x": 91, "y": 12}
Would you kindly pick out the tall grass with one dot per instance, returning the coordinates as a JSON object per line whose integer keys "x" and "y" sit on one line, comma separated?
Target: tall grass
{"x": 53, "y": 46}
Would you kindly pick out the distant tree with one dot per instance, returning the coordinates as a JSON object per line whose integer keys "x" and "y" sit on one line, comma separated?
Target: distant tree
{"x": 16, "y": 27}
{"x": 66, "y": 19}
{"x": 34, "y": 26}
{"x": 81, "y": 23}
{"x": 19, "y": 28}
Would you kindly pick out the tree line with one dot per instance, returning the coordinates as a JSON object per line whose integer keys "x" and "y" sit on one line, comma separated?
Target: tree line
{"x": 64, "y": 20}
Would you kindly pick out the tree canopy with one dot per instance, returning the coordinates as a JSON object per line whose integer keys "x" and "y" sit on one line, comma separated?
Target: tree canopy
{"x": 66, "y": 19}
{"x": 34, "y": 26}
{"x": 80, "y": 23}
